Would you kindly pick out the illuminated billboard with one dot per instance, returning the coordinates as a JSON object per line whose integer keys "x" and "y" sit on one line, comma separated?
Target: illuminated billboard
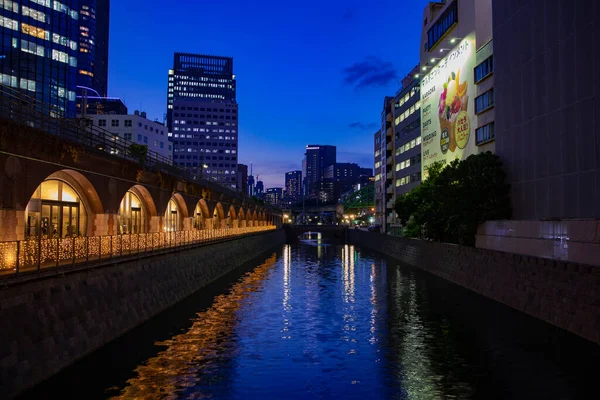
{"x": 447, "y": 107}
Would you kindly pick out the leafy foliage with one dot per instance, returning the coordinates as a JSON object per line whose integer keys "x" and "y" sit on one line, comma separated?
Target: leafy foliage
{"x": 453, "y": 201}
{"x": 139, "y": 151}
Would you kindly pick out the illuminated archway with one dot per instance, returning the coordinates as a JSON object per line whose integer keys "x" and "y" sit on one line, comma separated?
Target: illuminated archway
{"x": 198, "y": 217}
{"x": 175, "y": 213}
{"x": 133, "y": 214}
{"x": 56, "y": 210}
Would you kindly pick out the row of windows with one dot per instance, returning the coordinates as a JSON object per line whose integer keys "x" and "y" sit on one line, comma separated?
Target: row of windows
{"x": 188, "y": 136}
{"x": 485, "y": 134}
{"x": 485, "y": 69}
{"x": 416, "y": 177}
{"x": 406, "y": 97}
{"x": 484, "y": 101}
{"x": 443, "y": 25}
{"x": 195, "y": 150}
{"x": 13, "y": 81}
{"x": 57, "y": 6}
{"x": 202, "y": 109}
{"x": 128, "y": 123}
{"x": 409, "y": 111}
{"x": 182, "y": 157}
{"x": 408, "y": 162}
{"x": 408, "y": 145}
{"x": 416, "y": 124}
{"x": 183, "y": 143}
{"x": 184, "y": 122}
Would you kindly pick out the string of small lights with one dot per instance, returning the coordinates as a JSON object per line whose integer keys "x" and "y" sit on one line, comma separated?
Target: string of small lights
{"x": 52, "y": 252}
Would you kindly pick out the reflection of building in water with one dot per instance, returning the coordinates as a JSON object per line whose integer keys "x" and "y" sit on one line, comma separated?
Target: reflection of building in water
{"x": 348, "y": 299}
{"x": 287, "y": 289}
{"x": 186, "y": 355}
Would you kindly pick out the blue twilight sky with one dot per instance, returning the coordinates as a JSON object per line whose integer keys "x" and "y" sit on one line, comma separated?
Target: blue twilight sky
{"x": 309, "y": 72}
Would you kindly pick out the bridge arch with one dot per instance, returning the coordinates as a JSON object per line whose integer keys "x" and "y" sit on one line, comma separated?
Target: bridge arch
{"x": 64, "y": 204}
{"x": 135, "y": 211}
{"x": 200, "y": 215}
{"x": 175, "y": 213}
{"x": 218, "y": 216}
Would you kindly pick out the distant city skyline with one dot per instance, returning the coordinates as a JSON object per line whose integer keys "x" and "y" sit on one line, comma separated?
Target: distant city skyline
{"x": 292, "y": 89}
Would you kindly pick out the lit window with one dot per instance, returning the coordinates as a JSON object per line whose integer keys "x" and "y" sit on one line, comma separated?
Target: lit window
{"x": 36, "y": 32}
{"x": 9, "y": 23}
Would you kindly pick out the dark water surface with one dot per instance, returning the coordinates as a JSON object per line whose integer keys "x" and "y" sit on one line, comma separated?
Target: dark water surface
{"x": 328, "y": 321}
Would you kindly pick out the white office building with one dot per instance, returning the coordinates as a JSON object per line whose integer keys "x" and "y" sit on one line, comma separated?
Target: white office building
{"x": 138, "y": 129}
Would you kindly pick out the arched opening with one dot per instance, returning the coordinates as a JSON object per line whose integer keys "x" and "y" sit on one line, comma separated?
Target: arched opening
{"x": 56, "y": 210}
{"x": 198, "y": 217}
{"x": 231, "y": 217}
{"x": 173, "y": 217}
{"x": 133, "y": 215}
{"x": 216, "y": 221}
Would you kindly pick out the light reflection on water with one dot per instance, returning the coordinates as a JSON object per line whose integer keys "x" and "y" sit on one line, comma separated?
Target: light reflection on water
{"x": 319, "y": 320}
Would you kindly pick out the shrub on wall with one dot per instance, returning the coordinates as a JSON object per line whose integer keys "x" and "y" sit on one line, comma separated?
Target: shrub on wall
{"x": 453, "y": 201}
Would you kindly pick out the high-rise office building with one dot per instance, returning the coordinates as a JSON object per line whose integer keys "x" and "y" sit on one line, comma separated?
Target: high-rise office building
{"x": 274, "y": 196}
{"x": 339, "y": 178}
{"x": 293, "y": 186}
{"x": 92, "y": 76}
{"x": 40, "y": 48}
{"x": 205, "y": 139}
{"x": 200, "y": 77}
{"x": 202, "y": 116}
{"x": 316, "y": 159}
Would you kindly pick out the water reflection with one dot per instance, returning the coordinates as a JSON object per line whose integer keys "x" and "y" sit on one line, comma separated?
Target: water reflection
{"x": 198, "y": 351}
{"x": 327, "y": 321}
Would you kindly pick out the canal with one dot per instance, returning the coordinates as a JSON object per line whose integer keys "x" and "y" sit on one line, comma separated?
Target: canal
{"x": 323, "y": 320}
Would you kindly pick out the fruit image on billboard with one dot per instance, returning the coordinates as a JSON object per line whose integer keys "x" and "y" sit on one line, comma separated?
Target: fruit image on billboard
{"x": 447, "y": 107}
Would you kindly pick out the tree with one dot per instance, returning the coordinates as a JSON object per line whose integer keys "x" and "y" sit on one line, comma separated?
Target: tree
{"x": 139, "y": 151}
{"x": 455, "y": 200}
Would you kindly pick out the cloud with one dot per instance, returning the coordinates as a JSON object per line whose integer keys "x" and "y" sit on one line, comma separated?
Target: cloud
{"x": 362, "y": 126}
{"x": 372, "y": 72}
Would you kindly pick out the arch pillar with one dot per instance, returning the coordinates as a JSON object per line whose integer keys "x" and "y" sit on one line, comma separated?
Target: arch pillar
{"x": 103, "y": 224}
{"x": 12, "y": 225}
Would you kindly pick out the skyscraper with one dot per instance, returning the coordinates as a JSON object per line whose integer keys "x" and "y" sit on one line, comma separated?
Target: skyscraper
{"x": 200, "y": 77}
{"x": 293, "y": 186}
{"x": 40, "y": 49}
{"x": 202, "y": 118}
{"x": 316, "y": 159}
{"x": 92, "y": 77}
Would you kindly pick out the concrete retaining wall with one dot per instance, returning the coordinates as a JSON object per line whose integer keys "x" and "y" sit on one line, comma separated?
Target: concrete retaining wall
{"x": 50, "y": 323}
{"x": 566, "y": 295}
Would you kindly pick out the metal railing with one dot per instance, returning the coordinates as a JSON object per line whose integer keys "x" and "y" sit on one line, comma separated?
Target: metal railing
{"x": 26, "y": 110}
{"x": 38, "y": 254}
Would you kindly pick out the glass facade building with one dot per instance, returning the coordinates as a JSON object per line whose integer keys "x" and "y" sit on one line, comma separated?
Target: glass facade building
{"x": 39, "y": 42}
{"x": 92, "y": 71}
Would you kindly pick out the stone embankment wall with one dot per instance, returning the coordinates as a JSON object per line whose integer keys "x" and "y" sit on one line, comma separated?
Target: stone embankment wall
{"x": 50, "y": 323}
{"x": 566, "y": 295}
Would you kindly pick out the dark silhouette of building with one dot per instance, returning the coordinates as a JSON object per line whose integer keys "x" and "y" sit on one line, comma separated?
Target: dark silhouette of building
{"x": 101, "y": 105}
{"x": 316, "y": 159}
{"x": 260, "y": 188}
{"x": 293, "y": 186}
{"x": 242, "y": 178}
{"x": 39, "y": 56}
